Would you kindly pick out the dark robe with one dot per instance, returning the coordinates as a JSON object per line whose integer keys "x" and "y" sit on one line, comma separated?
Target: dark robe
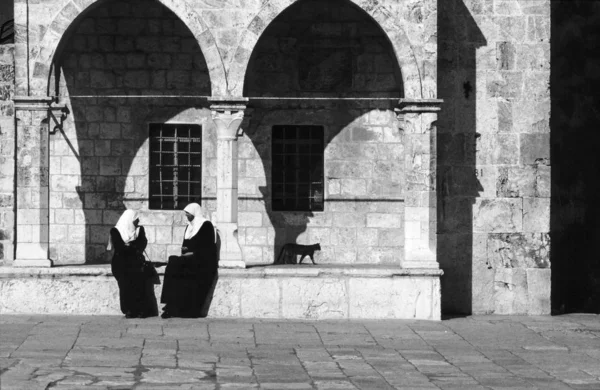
{"x": 190, "y": 280}
{"x": 136, "y": 290}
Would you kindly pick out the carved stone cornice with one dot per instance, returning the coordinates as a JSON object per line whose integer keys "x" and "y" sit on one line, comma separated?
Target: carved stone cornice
{"x": 228, "y": 104}
{"x": 406, "y": 106}
{"x": 38, "y": 103}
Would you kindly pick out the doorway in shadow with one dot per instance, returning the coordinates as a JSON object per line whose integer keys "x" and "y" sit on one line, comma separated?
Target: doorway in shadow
{"x": 310, "y": 55}
{"x": 120, "y": 66}
{"x": 575, "y": 114}
{"x": 458, "y": 185}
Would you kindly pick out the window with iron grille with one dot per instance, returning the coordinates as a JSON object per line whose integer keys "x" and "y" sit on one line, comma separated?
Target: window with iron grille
{"x": 297, "y": 168}
{"x": 175, "y": 165}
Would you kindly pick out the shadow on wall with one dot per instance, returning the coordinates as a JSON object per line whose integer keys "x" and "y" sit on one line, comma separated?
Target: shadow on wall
{"x": 318, "y": 49}
{"x": 458, "y": 185}
{"x": 575, "y": 188}
{"x": 115, "y": 48}
{"x": 342, "y": 130}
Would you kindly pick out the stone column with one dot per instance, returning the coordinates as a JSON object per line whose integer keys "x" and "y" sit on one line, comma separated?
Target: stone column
{"x": 417, "y": 119}
{"x": 32, "y": 181}
{"x": 227, "y": 116}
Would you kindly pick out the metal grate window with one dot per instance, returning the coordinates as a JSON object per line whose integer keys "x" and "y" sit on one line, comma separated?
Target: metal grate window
{"x": 175, "y": 165}
{"x": 297, "y": 173}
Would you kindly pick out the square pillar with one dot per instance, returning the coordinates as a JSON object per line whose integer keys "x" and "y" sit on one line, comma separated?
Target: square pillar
{"x": 32, "y": 181}
{"x": 417, "y": 119}
{"x": 227, "y": 116}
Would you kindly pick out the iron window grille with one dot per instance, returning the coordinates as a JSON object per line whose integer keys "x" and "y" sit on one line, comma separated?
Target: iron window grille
{"x": 175, "y": 165}
{"x": 297, "y": 168}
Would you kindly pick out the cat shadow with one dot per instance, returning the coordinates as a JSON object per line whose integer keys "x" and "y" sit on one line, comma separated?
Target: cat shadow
{"x": 288, "y": 226}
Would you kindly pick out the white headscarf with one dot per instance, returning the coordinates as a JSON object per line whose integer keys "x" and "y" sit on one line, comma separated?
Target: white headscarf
{"x": 126, "y": 228}
{"x": 195, "y": 224}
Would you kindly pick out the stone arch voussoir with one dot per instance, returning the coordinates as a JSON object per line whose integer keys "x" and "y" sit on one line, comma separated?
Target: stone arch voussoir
{"x": 45, "y": 51}
{"x": 401, "y": 44}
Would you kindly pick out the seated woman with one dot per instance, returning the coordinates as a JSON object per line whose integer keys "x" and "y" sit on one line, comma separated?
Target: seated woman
{"x": 136, "y": 291}
{"x": 190, "y": 278}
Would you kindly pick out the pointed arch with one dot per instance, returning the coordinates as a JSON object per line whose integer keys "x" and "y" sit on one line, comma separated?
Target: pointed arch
{"x": 45, "y": 51}
{"x": 398, "y": 38}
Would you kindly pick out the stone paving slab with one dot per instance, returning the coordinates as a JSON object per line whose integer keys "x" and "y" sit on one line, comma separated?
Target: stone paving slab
{"x": 480, "y": 352}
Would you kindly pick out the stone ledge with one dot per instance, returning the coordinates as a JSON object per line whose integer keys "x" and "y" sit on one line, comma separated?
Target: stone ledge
{"x": 282, "y": 291}
{"x": 253, "y": 271}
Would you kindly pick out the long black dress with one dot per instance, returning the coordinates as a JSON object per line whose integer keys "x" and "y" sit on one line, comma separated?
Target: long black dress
{"x": 136, "y": 291}
{"x": 189, "y": 280}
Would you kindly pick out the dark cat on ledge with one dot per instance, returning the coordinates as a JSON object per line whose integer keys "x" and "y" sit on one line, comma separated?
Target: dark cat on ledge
{"x": 290, "y": 251}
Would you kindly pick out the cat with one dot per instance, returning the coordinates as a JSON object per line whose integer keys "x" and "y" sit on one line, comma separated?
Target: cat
{"x": 290, "y": 251}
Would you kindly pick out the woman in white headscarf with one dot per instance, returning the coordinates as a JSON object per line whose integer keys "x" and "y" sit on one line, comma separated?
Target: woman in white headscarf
{"x": 190, "y": 278}
{"x": 128, "y": 239}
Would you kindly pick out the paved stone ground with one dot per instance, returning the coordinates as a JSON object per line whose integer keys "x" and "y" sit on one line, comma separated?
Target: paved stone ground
{"x": 483, "y": 352}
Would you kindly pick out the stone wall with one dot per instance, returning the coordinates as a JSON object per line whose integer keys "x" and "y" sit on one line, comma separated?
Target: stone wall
{"x": 363, "y": 217}
{"x": 494, "y": 156}
{"x": 7, "y": 154}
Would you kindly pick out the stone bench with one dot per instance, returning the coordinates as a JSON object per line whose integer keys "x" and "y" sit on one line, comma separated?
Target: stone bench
{"x": 272, "y": 291}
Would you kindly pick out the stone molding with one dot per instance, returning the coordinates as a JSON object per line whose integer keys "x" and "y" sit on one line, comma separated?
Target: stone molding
{"x": 33, "y": 103}
{"x": 418, "y": 106}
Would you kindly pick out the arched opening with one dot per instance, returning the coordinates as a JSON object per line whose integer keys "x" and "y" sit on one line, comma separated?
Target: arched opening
{"x": 326, "y": 66}
{"x": 317, "y": 48}
{"x": 120, "y": 67}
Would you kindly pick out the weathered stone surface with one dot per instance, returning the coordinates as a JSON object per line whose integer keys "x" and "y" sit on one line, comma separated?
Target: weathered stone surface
{"x": 497, "y": 215}
{"x": 511, "y": 289}
{"x": 396, "y": 298}
{"x": 226, "y": 302}
{"x": 517, "y": 182}
{"x": 168, "y": 375}
{"x": 536, "y": 214}
{"x": 535, "y": 148}
{"x": 538, "y": 291}
{"x": 314, "y": 298}
{"x": 518, "y": 250}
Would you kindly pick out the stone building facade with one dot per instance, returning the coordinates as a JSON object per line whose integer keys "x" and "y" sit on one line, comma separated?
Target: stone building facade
{"x": 406, "y": 182}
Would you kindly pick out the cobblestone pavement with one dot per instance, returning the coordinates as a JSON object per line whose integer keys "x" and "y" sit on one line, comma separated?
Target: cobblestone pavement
{"x": 482, "y": 352}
